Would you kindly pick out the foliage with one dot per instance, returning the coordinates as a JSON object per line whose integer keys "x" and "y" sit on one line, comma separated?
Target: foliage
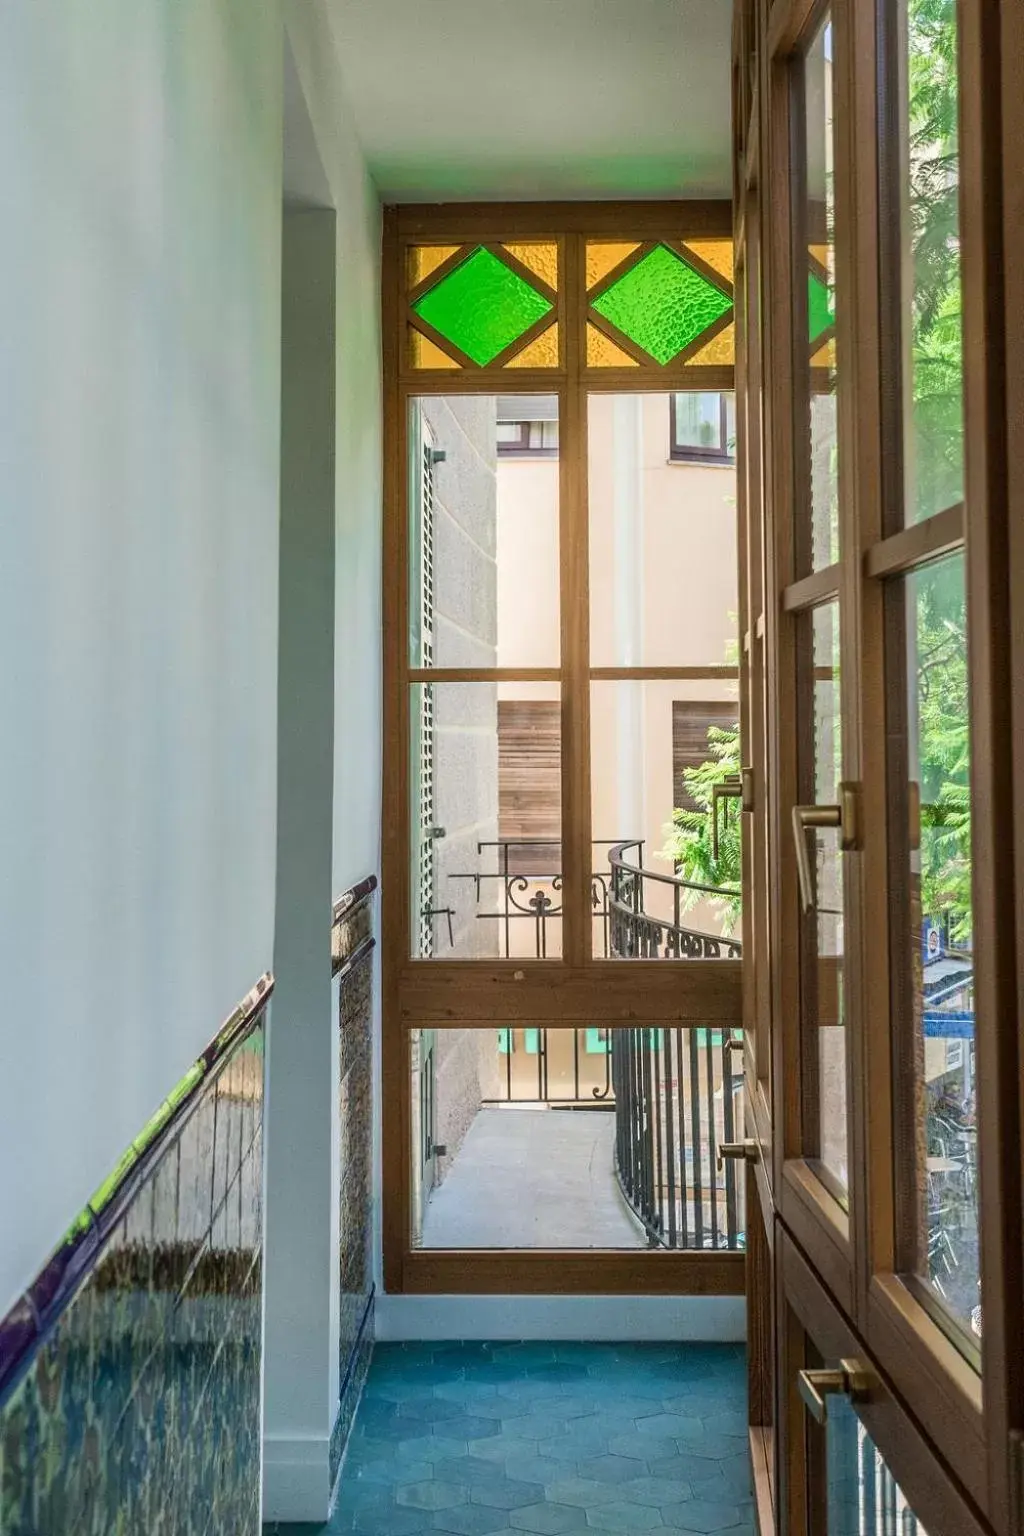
{"x": 944, "y": 746}
{"x": 688, "y": 837}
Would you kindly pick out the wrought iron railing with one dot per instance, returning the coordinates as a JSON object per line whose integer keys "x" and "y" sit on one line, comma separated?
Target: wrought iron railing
{"x": 638, "y": 912}
{"x": 673, "y": 1093}
{"x": 637, "y": 933}
{"x": 675, "y": 1104}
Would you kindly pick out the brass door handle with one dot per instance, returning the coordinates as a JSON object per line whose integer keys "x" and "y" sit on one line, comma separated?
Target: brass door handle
{"x": 745, "y": 1151}
{"x": 739, "y": 787}
{"x": 850, "y": 1379}
{"x": 844, "y": 815}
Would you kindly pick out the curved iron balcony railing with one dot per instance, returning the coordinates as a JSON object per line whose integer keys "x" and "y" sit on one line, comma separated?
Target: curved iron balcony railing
{"x": 639, "y": 911}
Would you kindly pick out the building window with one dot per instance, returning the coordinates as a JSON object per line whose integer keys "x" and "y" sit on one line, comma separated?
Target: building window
{"x": 538, "y": 439}
{"x": 528, "y": 426}
{"x": 703, "y": 428}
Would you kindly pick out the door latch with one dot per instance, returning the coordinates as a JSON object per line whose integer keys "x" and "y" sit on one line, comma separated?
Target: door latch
{"x": 850, "y": 1379}
{"x": 845, "y": 816}
{"x": 741, "y": 1151}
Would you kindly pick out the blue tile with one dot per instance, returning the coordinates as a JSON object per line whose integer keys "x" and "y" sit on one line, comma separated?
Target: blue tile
{"x": 549, "y": 1439}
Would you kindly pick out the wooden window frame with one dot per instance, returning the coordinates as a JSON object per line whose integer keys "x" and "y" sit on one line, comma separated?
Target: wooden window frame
{"x": 578, "y": 988}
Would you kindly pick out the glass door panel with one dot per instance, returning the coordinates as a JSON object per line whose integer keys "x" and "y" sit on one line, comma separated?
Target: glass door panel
{"x": 820, "y": 545}
{"x": 936, "y": 1145}
{"x": 822, "y": 994}
{"x": 863, "y": 1498}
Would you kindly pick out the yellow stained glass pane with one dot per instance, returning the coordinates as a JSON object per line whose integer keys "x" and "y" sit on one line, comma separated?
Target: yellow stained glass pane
{"x": 424, "y": 259}
{"x": 602, "y": 255}
{"x": 542, "y": 353}
{"x": 719, "y": 352}
{"x": 716, "y": 254}
{"x": 603, "y": 353}
{"x": 540, "y": 256}
{"x": 820, "y": 254}
{"x": 424, "y": 353}
{"x": 825, "y": 357}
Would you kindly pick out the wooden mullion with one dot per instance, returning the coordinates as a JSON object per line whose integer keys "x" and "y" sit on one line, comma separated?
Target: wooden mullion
{"x": 621, "y": 340}
{"x": 466, "y": 381}
{"x": 484, "y": 675}
{"x": 789, "y": 22}
{"x": 989, "y": 329}
{"x": 574, "y": 616}
{"x": 810, "y": 591}
{"x": 395, "y": 894}
{"x": 573, "y": 1272}
{"x": 447, "y": 347}
{"x": 696, "y": 219}
{"x": 914, "y": 546}
{"x": 652, "y": 378}
{"x": 712, "y": 673}
{"x": 440, "y": 272}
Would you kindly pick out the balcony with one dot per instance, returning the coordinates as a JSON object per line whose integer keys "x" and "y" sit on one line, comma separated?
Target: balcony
{"x": 638, "y": 913}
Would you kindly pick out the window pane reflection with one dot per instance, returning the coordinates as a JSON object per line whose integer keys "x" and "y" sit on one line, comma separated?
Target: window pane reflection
{"x": 829, "y": 1046}
{"x": 930, "y": 260}
{"x": 864, "y": 1499}
{"x": 941, "y": 939}
{"x": 821, "y": 302}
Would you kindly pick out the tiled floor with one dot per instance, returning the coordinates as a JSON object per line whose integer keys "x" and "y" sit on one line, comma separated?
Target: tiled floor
{"x": 471, "y": 1439}
{"x": 561, "y": 1164}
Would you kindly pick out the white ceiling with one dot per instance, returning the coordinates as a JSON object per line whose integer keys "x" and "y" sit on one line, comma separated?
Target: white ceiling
{"x": 486, "y": 99}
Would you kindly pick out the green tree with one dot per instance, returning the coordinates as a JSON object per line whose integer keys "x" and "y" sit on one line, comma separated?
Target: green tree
{"x": 689, "y": 840}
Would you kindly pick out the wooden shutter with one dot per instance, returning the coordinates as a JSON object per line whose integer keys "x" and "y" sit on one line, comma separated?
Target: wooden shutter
{"x": 690, "y": 722}
{"x": 530, "y": 784}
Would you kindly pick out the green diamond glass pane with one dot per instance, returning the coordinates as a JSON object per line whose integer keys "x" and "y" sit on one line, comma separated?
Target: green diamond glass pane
{"x": 662, "y": 304}
{"x": 482, "y": 307}
{"x": 819, "y": 307}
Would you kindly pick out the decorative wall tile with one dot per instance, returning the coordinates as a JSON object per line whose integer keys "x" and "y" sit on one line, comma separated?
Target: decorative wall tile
{"x": 352, "y": 961}
{"x": 136, "y": 1409}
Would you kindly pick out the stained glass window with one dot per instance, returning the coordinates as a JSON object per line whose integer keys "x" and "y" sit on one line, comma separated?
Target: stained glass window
{"x": 820, "y": 307}
{"x": 662, "y": 303}
{"x": 482, "y": 306}
{"x": 648, "y": 304}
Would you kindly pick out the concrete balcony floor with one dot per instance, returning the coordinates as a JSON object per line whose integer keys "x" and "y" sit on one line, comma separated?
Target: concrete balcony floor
{"x": 529, "y": 1177}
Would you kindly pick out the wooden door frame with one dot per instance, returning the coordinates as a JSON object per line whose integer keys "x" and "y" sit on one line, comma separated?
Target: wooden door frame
{"x": 941, "y": 1504}
{"x": 976, "y": 1424}
{"x": 577, "y": 989}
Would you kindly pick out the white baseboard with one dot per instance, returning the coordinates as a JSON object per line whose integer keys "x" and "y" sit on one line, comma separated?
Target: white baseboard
{"x": 296, "y": 1478}
{"x": 612, "y": 1319}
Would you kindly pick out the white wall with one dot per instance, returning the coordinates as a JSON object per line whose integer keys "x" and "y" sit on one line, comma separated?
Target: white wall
{"x": 140, "y": 204}
{"x": 357, "y": 599}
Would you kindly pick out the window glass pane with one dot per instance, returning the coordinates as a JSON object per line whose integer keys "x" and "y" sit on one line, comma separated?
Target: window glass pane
{"x": 483, "y": 531}
{"x": 698, "y": 421}
{"x": 663, "y": 564}
{"x": 822, "y": 547}
{"x": 864, "y": 1498}
{"x": 941, "y": 941}
{"x": 484, "y": 305}
{"x": 930, "y": 259}
{"x": 485, "y": 815}
{"x": 499, "y": 1163}
{"x": 661, "y": 889}
{"x": 826, "y": 1066}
